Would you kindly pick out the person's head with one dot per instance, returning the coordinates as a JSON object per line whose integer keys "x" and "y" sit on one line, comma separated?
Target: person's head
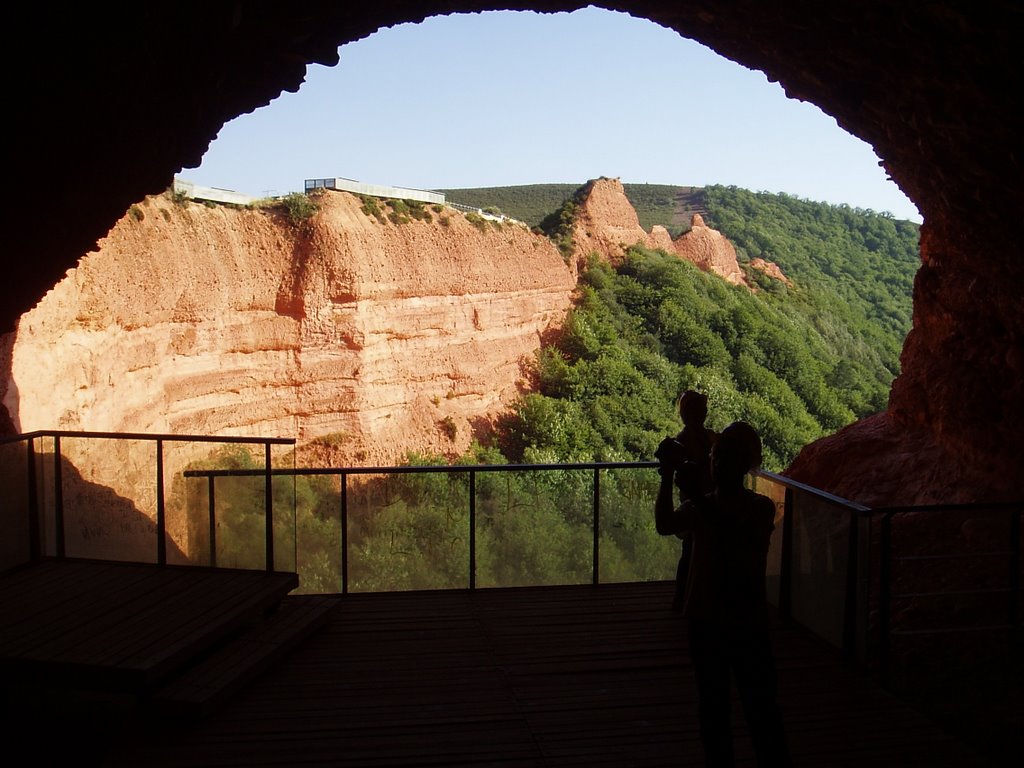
{"x": 737, "y": 452}
{"x": 693, "y": 408}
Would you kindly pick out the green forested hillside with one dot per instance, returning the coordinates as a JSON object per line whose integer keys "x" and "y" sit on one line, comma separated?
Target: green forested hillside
{"x": 529, "y": 203}
{"x": 798, "y": 363}
{"x": 856, "y": 266}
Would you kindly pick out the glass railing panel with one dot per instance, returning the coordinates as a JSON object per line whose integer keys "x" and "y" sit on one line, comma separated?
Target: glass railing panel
{"x": 776, "y": 491}
{"x": 631, "y": 549}
{"x": 45, "y": 495}
{"x": 950, "y": 604}
{"x": 194, "y": 493}
{"x": 534, "y": 528}
{"x": 229, "y": 530}
{"x": 109, "y": 494}
{"x": 186, "y": 513}
{"x": 408, "y": 531}
{"x": 318, "y": 542}
{"x": 15, "y": 515}
{"x": 240, "y": 522}
{"x": 821, "y": 532}
{"x": 285, "y": 488}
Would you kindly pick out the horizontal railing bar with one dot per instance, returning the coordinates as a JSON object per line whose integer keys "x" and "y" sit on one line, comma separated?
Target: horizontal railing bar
{"x": 850, "y": 505}
{"x": 430, "y": 468}
{"x": 994, "y": 591}
{"x": 963, "y": 556}
{"x": 951, "y": 630}
{"x": 150, "y": 436}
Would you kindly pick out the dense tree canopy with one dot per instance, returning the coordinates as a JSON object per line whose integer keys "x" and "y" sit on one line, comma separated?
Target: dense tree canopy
{"x": 797, "y": 363}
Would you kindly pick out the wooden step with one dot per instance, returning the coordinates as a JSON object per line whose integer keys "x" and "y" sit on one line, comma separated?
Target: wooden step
{"x": 202, "y": 687}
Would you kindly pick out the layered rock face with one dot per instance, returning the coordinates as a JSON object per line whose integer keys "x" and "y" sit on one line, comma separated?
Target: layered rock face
{"x": 606, "y": 224}
{"x": 710, "y": 250}
{"x": 879, "y": 461}
{"x": 196, "y": 320}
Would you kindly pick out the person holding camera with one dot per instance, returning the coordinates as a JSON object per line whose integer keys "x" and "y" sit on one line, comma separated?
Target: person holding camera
{"x": 725, "y": 606}
{"x": 689, "y": 452}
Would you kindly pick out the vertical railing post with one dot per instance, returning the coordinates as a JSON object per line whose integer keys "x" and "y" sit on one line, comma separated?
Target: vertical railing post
{"x": 472, "y": 529}
{"x": 1014, "y": 581}
{"x": 161, "y": 520}
{"x": 35, "y": 538}
{"x": 269, "y": 505}
{"x": 596, "y": 576}
{"x": 884, "y": 594}
{"x": 211, "y": 498}
{"x": 343, "y": 478}
{"x": 58, "y": 499}
{"x": 786, "y": 558}
{"x": 852, "y": 578}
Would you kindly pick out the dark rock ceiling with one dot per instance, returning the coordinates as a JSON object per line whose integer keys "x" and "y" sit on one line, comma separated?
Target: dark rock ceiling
{"x": 107, "y": 102}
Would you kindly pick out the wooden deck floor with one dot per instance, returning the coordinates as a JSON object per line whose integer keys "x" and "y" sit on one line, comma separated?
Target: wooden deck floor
{"x": 122, "y": 627}
{"x": 562, "y": 676}
{"x": 559, "y": 676}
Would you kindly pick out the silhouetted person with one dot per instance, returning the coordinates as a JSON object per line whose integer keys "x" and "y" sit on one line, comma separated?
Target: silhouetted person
{"x": 690, "y": 454}
{"x": 725, "y": 607}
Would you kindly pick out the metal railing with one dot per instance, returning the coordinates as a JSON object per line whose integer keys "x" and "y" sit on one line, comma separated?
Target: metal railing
{"x": 35, "y": 509}
{"x": 821, "y": 559}
{"x": 949, "y": 579}
{"x": 862, "y": 578}
{"x": 818, "y": 561}
{"x": 840, "y": 569}
{"x": 471, "y": 472}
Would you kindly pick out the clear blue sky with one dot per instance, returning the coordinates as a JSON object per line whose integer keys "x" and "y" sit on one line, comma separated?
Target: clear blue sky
{"x": 508, "y": 98}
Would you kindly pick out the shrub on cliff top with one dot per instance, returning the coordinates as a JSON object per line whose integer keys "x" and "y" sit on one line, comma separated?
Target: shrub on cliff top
{"x": 418, "y": 210}
{"x": 300, "y": 207}
{"x": 399, "y": 212}
{"x": 558, "y": 226}
{"x": 477, "y": 220}
{"x": 370, "y": 208}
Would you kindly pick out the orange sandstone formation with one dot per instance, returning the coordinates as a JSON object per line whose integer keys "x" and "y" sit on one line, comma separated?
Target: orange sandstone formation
{"x": 710, "y": 250}
{"x": 771, "y": 269}
{"x": 199, "y": 320}
{"x": 606, "y": 223}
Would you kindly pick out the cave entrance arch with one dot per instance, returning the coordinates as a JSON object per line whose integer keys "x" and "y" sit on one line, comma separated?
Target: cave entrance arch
{"x": 921, "y": 84}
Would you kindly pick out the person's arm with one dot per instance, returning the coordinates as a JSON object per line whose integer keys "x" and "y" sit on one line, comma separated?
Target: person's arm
{"x": 664, "y": 505}
{"x": 669, "y": 520}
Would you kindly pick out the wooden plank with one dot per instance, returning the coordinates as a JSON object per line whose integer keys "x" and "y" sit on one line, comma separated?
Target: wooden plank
{"x": 74, "y": 598}
{"x": 206, "y": 685}
{"x": 183, "y": 640}
{"x": 100, "y": 618}
{"x": 181, "y": 598}
{"x": 576, "y": 676}
{"x": 121, "y": 625}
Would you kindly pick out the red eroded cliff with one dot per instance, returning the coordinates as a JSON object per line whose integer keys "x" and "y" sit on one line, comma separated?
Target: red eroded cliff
{"x": 199, "y": 320}
{"x": 710, "y": 250}
{"x": 607, "y": 224}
